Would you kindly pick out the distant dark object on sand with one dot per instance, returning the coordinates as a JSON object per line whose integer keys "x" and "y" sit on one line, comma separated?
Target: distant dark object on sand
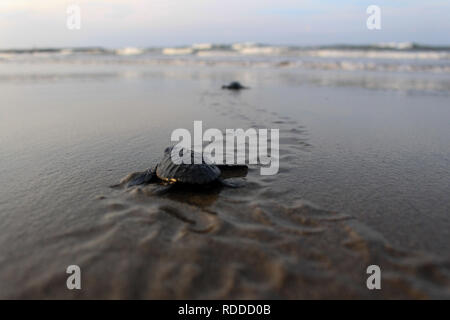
{"x": 234, "y": 86}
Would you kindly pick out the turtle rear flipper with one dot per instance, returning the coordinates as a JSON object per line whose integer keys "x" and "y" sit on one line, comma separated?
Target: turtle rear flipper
{"x": 233, "y": 170}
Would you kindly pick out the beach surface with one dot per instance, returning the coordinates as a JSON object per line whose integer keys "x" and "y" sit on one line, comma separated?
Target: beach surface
{"x": 364, "y": 175}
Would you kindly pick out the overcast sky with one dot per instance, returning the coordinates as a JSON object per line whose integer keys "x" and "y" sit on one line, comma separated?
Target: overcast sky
{"x": 144, "y": 23}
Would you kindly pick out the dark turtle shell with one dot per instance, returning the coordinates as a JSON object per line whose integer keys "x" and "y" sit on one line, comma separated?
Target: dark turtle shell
{"x": 234, "y": 86}
{"x": 186, "y": 173}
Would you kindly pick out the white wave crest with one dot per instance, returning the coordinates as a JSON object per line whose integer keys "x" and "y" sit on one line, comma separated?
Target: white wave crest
{"x": 129, "y": 51}
{"x": 202, "y": 46}
{"x": 177, "y": 51}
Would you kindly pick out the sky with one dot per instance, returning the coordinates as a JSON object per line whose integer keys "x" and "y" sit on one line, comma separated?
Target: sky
{"x": 147, "y": 23}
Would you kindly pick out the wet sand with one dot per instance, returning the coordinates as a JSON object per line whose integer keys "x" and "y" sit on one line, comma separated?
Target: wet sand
{"x": 341, "y": 201}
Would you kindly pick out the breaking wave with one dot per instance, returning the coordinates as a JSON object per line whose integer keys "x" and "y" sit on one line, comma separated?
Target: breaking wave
{"x": 383, "y": 57}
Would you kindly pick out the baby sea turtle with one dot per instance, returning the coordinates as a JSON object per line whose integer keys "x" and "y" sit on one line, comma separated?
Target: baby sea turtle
{"x": 234, "y": 86}
{"x": 168, "y": 173}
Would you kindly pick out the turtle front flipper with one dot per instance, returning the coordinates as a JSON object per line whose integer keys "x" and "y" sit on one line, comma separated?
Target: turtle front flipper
{"x": 143, "y": 178}
{"x": 137, "y": 178}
